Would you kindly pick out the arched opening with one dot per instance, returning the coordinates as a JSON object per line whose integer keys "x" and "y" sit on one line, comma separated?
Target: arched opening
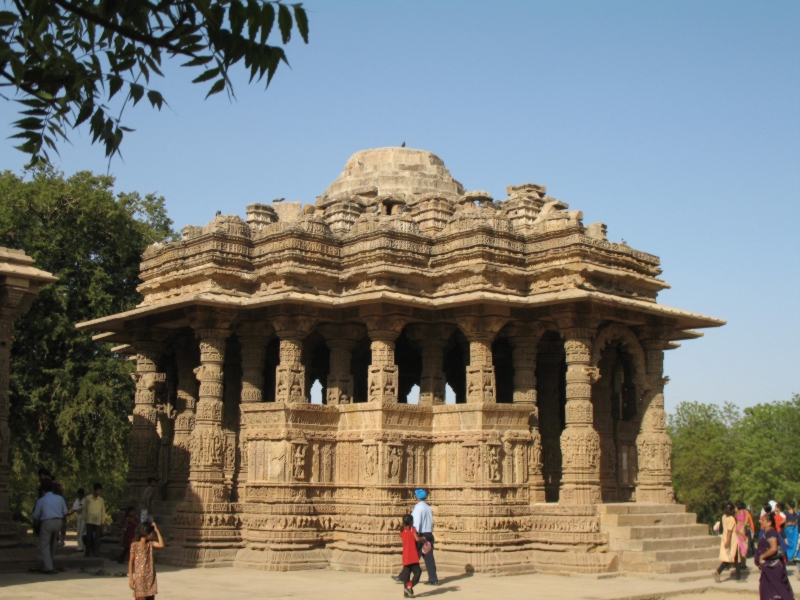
{"x": 413, "y": 395}
{"x": 316, "y": 393}
{"x": 616, "y": 419}
{"x": 272, "y": 360}
{"x": 409, "y": 366}
{"x": 449, "y": 394}
{"x": 503, "y": 361}
{"x": 316, "y": 358}
{"x": 456, "y": 359}
{"x": 360, "y": 362}
{"x": 551, "y": 388}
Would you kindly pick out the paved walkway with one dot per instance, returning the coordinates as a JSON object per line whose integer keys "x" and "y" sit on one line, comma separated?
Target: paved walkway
{"x": 245, "y": 584}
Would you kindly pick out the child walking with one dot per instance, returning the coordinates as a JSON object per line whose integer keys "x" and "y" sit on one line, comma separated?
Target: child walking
{"x": 410, "y": 556}
{"x": 141, "y": 568}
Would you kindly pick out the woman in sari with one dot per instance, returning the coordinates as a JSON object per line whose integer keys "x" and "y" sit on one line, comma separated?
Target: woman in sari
{"x": 773, "y": 585}
{"x": 740, "y": 532}
{"x": 790, "y": 531}
{"x": 729, "y": 552}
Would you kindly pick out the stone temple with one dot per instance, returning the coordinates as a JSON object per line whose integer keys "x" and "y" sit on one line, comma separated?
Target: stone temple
{"x": 536, "y": 344}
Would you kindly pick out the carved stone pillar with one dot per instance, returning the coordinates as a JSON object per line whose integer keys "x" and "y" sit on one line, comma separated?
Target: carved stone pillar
{"x": 480, "y": 332}
{"x": 6, "y": 336}
{"x": 206, "y": 478}
{"x": 253, "y": 340}
{"x": 187, "y": 358}
{"x": 144, "y": 440}
{"x": 290, "y": 375}
{"x": 580, "y": 443}
{"x": 382, "y": 380}
{"x": 342, "y": 340}
{"x": 254, "y": 354}
{"x": 524, "y": 340}
{"x": 383, "y": 375}
{"x": 19, "y": 283}
{"x": 433, "y": 339}
{"x": 653, "y": 444}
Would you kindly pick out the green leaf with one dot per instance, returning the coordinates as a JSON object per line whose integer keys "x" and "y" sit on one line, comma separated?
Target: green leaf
{"x": 8, "y": 18}
{"x": 206, "y": 75}
{"x": 114, "y": 85}
{"x": 301, "y": 18}
{"x": 156, "y": 100}
{"x": 218, "y": 86}
{"x": 137, "y": 91}
{"x": 197, "y": 61}
{"x": 285, "y": 22}
{"x": 85, "y": 113}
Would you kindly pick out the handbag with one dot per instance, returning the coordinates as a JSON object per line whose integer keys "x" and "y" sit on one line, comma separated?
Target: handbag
{"x": 426, "y": 547}
{"x": 37, "y": 526}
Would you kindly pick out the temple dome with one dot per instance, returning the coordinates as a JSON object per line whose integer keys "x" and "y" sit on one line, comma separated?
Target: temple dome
{"x": 393, "y": 171}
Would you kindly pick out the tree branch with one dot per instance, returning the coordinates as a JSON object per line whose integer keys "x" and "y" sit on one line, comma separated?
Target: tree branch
{"x": 123, "y": 31}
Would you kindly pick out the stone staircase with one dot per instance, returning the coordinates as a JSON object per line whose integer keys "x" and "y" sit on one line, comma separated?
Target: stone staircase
{"x": 660, "y": 541}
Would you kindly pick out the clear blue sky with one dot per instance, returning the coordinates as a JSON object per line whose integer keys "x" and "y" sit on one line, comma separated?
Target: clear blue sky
{"x": 676, "y": 123}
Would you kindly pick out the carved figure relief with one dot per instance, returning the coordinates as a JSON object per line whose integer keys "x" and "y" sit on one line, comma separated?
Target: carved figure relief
{"x": 299, "y": 461}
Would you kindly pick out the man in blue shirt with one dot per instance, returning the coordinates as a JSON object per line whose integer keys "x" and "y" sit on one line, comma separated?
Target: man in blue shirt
{"x": 423, "y": 523}
{"x": 50, "y": 511}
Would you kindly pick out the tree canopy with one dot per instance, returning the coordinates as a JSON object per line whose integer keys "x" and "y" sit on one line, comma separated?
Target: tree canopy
{"x": 66, "y": 59}
{"x": 71, "y": 396}
{"x": 722, "y": 454}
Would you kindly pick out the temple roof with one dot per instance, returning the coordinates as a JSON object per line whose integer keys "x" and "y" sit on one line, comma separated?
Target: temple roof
{"x": 396, "y": 227}
{"x": 395, "y": 171}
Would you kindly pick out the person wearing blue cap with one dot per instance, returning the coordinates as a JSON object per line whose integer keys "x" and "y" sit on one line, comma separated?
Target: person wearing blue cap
{"x": 423, "y": 523}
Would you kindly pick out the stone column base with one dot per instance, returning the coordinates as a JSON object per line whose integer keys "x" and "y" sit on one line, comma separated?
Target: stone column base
{"x": 655, "y": 495}
{"x": 578, "y": 493}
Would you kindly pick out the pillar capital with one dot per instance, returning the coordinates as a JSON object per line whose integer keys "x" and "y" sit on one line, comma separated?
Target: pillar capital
{"x": 293, "y": 327}
{"x": 384, "y": 327}
{"x": 529, "y": 333}
{"x": 207, "y": 318}
{"x": 260, "y": 330}
{"x": 342, "y": 335}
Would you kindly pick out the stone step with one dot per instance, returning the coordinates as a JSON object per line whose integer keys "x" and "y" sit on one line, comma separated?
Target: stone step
{"x": 634, "y": 508}
{"x": 658, "y": 519}
{"x": 654, "y": 532}
{"x": 639, "y": 545}
{"x": 668, "y": 556}
{"x": 705, "y": 565}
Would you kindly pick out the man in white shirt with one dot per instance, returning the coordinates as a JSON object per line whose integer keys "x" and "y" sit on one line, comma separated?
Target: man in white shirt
{"x": 423, "y": 523}
{"x": 50, "y": 511}
{"x": 77, "y": 507}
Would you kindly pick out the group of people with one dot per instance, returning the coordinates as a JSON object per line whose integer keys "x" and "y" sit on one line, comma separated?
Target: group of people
{"x": 775, "y": 546}
{"x": 50, "y": 519}
{"x": 416, "y": 534}
{"x": 138, "y": 541}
